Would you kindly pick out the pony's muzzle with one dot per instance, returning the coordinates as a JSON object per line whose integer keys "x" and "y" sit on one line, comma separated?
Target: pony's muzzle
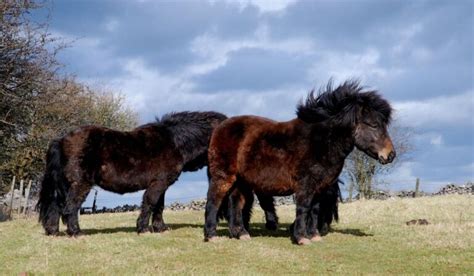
{"x": 387, "y": 154}
{"x": 385, "y": 159}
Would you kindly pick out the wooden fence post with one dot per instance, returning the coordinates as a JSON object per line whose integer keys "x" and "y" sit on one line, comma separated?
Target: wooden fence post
{"x": 94, "y": 206}
{"x": 417, "y": 188}
{"x": 351, "y": 189}
{"x": 21, "y": 196}
{"x": 11, "y": 200}
{"x": 27, "y": 196}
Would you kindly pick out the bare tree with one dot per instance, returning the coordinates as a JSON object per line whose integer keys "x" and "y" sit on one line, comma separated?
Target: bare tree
{"x": 37, "y": 103}
{"x": 26, "y": 66}
{"x": 57, "y": 113}
{"x": 27, "y": 62}
{"x": 363, "y": 172}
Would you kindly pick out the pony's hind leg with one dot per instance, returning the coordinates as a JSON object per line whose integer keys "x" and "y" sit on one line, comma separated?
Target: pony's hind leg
{"x": 76, "y": 196}
{"x": 312, "y": 223}
{"x": 238, "y": 224}
{"x": 158, "y": 224}
{"x": 247, "y": 210}
{"x": 151, "y": 198}
{"x": 218, "y": 189}
{"x": 51, "y": 221}
{"x": 303, "y": 208}
{"x": 268, "y": 205}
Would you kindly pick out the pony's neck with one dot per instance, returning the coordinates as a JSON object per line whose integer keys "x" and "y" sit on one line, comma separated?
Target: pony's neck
{"x": 331, "y": 144}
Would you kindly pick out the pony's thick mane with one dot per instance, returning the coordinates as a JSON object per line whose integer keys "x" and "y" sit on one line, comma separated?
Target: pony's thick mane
{"x": 342, "y": 104}
{"x": 191, "y": 131}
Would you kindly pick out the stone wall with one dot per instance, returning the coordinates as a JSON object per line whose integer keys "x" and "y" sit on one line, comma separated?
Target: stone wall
{"x": 199, "y": 205}
{"x": 466, "y": 189}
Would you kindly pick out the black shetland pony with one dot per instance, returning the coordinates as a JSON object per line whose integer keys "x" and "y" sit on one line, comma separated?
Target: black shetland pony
{"x": 303, "y": 156}
{"x": 149, "y": 157}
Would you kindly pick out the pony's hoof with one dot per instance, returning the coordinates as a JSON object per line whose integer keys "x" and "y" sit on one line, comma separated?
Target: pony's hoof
{"x": 272, "y": 226}
{"x": 303, "y": 241}
{"x": 161, "y": 229}
{"x": 143, "y": 230}
{"x": 245, "y": 237}
{"x": 316, "y": 238}
{"x": 211, "y": 239}
{"x": 324, "y": 230}
{"x": 75, "y": 234}
{"x": 52, "y": 233}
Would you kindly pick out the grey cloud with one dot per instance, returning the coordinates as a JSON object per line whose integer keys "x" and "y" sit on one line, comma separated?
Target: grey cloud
{"x": 255, "y": 69}
{"x": 158, "y": 32}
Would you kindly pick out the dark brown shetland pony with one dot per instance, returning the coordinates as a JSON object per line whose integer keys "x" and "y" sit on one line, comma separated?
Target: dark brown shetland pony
{"x": 149, "y": 157}
{"x": 303, "y": 156}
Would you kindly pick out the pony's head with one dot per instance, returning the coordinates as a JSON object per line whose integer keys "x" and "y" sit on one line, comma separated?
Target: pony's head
{"x": 365, "y": 113}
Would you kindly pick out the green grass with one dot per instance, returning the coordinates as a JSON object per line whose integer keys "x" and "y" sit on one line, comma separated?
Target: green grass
{"x": 370, "y": 238}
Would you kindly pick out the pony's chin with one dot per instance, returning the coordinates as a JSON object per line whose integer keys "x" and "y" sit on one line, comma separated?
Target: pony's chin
{"x": 372, "y": 155}
{"x": 382, "y": 161}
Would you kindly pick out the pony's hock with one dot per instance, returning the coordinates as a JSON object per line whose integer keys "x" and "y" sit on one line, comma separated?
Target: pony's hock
{"x": 149, "y": 157}
{"x": 303, "y": 156}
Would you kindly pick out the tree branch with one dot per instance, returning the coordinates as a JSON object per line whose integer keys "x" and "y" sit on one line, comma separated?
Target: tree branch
{"x": 7, "y": 123}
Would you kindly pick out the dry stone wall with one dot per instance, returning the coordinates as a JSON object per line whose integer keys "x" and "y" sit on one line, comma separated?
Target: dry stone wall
{"x": 199, "y": 205}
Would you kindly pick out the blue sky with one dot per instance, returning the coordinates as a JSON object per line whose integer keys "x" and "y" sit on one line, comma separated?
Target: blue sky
{"x": 261, "y": 57}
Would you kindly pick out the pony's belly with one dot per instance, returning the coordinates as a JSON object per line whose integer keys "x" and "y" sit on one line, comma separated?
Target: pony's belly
{"x": 121, "y": 187}
{"x": 120, "y": 180}
{"x": 275, "y": 191}
{"x": 272, "y": 183}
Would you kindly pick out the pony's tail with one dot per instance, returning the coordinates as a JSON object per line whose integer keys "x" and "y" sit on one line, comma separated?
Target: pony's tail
{"x": 54, "y": 188}
{"x": 337, "y": 199}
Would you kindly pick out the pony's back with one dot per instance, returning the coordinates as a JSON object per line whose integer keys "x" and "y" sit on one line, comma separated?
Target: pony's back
{"x": 191, "y": 133}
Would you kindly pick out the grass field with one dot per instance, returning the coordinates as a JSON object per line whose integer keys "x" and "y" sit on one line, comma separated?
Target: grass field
{"x": 371, "y": 237}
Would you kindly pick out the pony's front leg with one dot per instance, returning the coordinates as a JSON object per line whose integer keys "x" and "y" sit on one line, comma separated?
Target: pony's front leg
{"x": 312, "y": 224}
{"x": 218, "y": 189}
{"x": 303, "y": 207}
{"x": 158, "y": 223}
{"x": 151, "y": 198}
{"x": 76, "y": 196}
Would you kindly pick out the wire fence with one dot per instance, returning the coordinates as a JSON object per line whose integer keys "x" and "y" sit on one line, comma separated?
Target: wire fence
{"x": 17, "y": 202}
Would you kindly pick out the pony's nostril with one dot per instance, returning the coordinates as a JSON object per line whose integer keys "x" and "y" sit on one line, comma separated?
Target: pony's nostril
{"x": 392, "y": 155}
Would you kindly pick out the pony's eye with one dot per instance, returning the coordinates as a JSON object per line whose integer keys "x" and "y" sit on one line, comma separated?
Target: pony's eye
{"x": 370, "y": 125}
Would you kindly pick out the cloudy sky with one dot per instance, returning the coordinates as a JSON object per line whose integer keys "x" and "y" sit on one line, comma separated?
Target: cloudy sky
{"x": 261, "y": 57}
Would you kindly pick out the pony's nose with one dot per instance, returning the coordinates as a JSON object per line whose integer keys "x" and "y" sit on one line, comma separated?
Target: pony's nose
{"x": 387, "y": 159}
{"x": 391, "y": 156}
